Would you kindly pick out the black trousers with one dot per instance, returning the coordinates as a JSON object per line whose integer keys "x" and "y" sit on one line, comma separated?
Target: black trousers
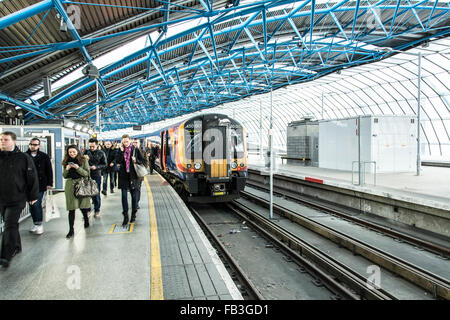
{"x": 11, "y": 236}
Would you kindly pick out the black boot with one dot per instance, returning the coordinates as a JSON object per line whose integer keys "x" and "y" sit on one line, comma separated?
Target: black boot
{"x": 125, "y": 219}
{"x": 71, "y": 222}
{"x": 86, "y": 218}
{"x": 133, "y": 216}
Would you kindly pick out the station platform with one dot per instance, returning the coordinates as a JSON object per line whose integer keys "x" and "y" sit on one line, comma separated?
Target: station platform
{"x": 430, "y": 189}
{"x": 164, "y": 255}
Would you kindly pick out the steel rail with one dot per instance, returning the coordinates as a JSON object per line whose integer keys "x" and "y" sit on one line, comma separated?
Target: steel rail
{"x": 425, "y": 279}
{"x": 328, "y": 269}
{"x": 241, "y": 274}
{"x": 433, "y": 247}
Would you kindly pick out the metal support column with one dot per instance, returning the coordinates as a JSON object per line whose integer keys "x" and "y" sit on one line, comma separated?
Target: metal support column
{"x": 360, "y": 175}
{"x": 97, "y": 107}
{"x": 419, "y": 76}
{"x": 271, "y": 158}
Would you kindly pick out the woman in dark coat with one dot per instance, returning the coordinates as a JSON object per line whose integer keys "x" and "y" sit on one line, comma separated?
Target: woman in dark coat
{"x": 75, "y": 167}
{"x": 128, "y": 179}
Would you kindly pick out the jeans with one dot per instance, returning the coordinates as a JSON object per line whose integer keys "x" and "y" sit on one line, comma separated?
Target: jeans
{"x": 134, "y": 199}
{"x": 36, "y": 210}
{"x": 96, "y": 199}
{"x": 105, "y": 180}
{"x": 11, "y": 236}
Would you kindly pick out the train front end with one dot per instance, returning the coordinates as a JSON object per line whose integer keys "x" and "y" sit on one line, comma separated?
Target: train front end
{"x": 215, "y": 157}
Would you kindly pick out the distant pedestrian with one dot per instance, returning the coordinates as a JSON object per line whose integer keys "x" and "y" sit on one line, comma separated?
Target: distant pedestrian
{"x": 97, "y": 162}
{"x": 75, "y": 167}
{"x": 128, "y": 179}
{"x": 45, "y": 174}
{"x": 152, "y": 154}
{"x": 18, "y": 184}
{"x": 110, "y": 168}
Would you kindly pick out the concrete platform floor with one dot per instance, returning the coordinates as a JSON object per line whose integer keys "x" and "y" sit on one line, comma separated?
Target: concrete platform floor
{"x": 432, "y": 185}
{"x": 107, "y": 262}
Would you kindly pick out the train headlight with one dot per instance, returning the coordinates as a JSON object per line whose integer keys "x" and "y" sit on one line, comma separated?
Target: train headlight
{"x": 234, "y": 165}
{"x": 197, "y": 165}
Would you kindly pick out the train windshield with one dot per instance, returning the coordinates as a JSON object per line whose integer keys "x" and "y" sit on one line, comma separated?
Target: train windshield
{"x": 193, "y": 140}
{"x": 237, "y": 143}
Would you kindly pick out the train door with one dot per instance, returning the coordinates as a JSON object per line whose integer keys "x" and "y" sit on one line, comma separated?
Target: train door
{"x": 163, "y": 152}
{"x": 215, "y": 145}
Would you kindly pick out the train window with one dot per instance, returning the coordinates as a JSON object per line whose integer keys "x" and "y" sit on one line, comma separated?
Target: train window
{"x": 193, "y": 139}
{"x": 237, "y": 143}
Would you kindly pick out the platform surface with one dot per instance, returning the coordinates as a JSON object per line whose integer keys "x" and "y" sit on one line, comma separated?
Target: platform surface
{"x": 108, "y": 262}
{"x": 431, "y": 188}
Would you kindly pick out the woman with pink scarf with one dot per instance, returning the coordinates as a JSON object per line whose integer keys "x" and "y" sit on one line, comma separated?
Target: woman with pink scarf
{"x": 128, "y": 179}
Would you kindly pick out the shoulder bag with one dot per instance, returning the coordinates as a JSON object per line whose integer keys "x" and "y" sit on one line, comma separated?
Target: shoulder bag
{"x": 86, "y": 187}
{"x": 141, "y": 170}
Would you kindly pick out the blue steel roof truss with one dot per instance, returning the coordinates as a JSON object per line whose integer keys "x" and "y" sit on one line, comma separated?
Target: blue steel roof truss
{"x": 268, "y": 44}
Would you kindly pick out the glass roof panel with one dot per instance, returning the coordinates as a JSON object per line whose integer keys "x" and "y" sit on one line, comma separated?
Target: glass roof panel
{"x": 437, "y": 86}
{"x": 429, "y": 110}
{"x": 444, "y": 78}
{"x": 438, "y": 104}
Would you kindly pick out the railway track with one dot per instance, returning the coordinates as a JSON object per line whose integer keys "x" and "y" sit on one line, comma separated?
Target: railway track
{"x": 427, "y": 245}
{"x": 335, "y": 274}
{"x": 248, "y": 289}
{"x": 321, "y": 280}
{"x": 436, "y": 285}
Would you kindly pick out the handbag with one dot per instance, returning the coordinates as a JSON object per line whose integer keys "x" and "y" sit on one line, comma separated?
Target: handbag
{"x": 141, "y": 170}
{"x": 86, "y": 187}
{"x": 51, "y": 210}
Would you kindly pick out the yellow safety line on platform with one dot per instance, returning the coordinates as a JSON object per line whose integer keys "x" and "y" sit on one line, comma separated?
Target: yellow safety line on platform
{"x": 156, "y": 286}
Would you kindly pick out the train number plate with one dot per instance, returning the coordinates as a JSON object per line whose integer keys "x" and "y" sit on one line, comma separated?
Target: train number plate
{"x": 218, "y": 193}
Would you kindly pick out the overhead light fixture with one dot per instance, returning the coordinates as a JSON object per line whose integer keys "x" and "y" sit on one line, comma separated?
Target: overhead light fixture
{"x": 84, "y": 129}
{"x": 62, "y": 23}
{"x": 91, "y": 71}
{"x": 20, "y": 114}
{"x": 11, "y": 111}
{"x": 70, "y": 124}
{"x": 78, "y": 127}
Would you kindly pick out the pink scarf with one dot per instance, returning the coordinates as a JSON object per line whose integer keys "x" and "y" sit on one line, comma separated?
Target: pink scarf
{"x": 127, "y": 157}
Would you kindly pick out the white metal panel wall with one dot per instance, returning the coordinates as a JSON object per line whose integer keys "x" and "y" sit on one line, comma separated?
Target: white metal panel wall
{"x": 338, "y": 144}
{"x": 395, "y": 143}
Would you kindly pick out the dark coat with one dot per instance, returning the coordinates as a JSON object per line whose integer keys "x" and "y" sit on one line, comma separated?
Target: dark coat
{"x": 44, "y": 169}
{"x": 129, "y": 180}
{"x": 73, "y": 202}
{"x": 19, "y": 181}
{"x": 111, "y": 155}
{"x": 97, "y": 159}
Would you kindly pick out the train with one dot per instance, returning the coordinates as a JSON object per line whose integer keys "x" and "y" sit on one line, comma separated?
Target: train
{"x": 204, "y": 157}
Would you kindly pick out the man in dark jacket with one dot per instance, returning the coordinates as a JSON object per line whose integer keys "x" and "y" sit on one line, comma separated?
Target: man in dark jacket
{"x": 45, "y": 174}
{"x": 128, "y": 179}
{"x": 19, "y": 183}
{"x": 110, "y": 153}
{"x": 97, "y": 162}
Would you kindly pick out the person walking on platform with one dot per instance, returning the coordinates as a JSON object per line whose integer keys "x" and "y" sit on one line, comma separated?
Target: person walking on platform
{"x": 152, "y": 154}
{"x": 75, "y": 167}
{"x": 128, "y": 179}
{"x": 110, "y": 168}
{"x": 45, "y": 174}
{"x": 19, "y": 183}
{"x": 97, "y": 162}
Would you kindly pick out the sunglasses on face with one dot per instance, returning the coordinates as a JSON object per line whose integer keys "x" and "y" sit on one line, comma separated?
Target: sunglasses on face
{"x": 33, "y": 144}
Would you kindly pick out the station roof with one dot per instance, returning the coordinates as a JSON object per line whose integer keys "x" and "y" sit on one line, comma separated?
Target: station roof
{"x": 162, "y": 59}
